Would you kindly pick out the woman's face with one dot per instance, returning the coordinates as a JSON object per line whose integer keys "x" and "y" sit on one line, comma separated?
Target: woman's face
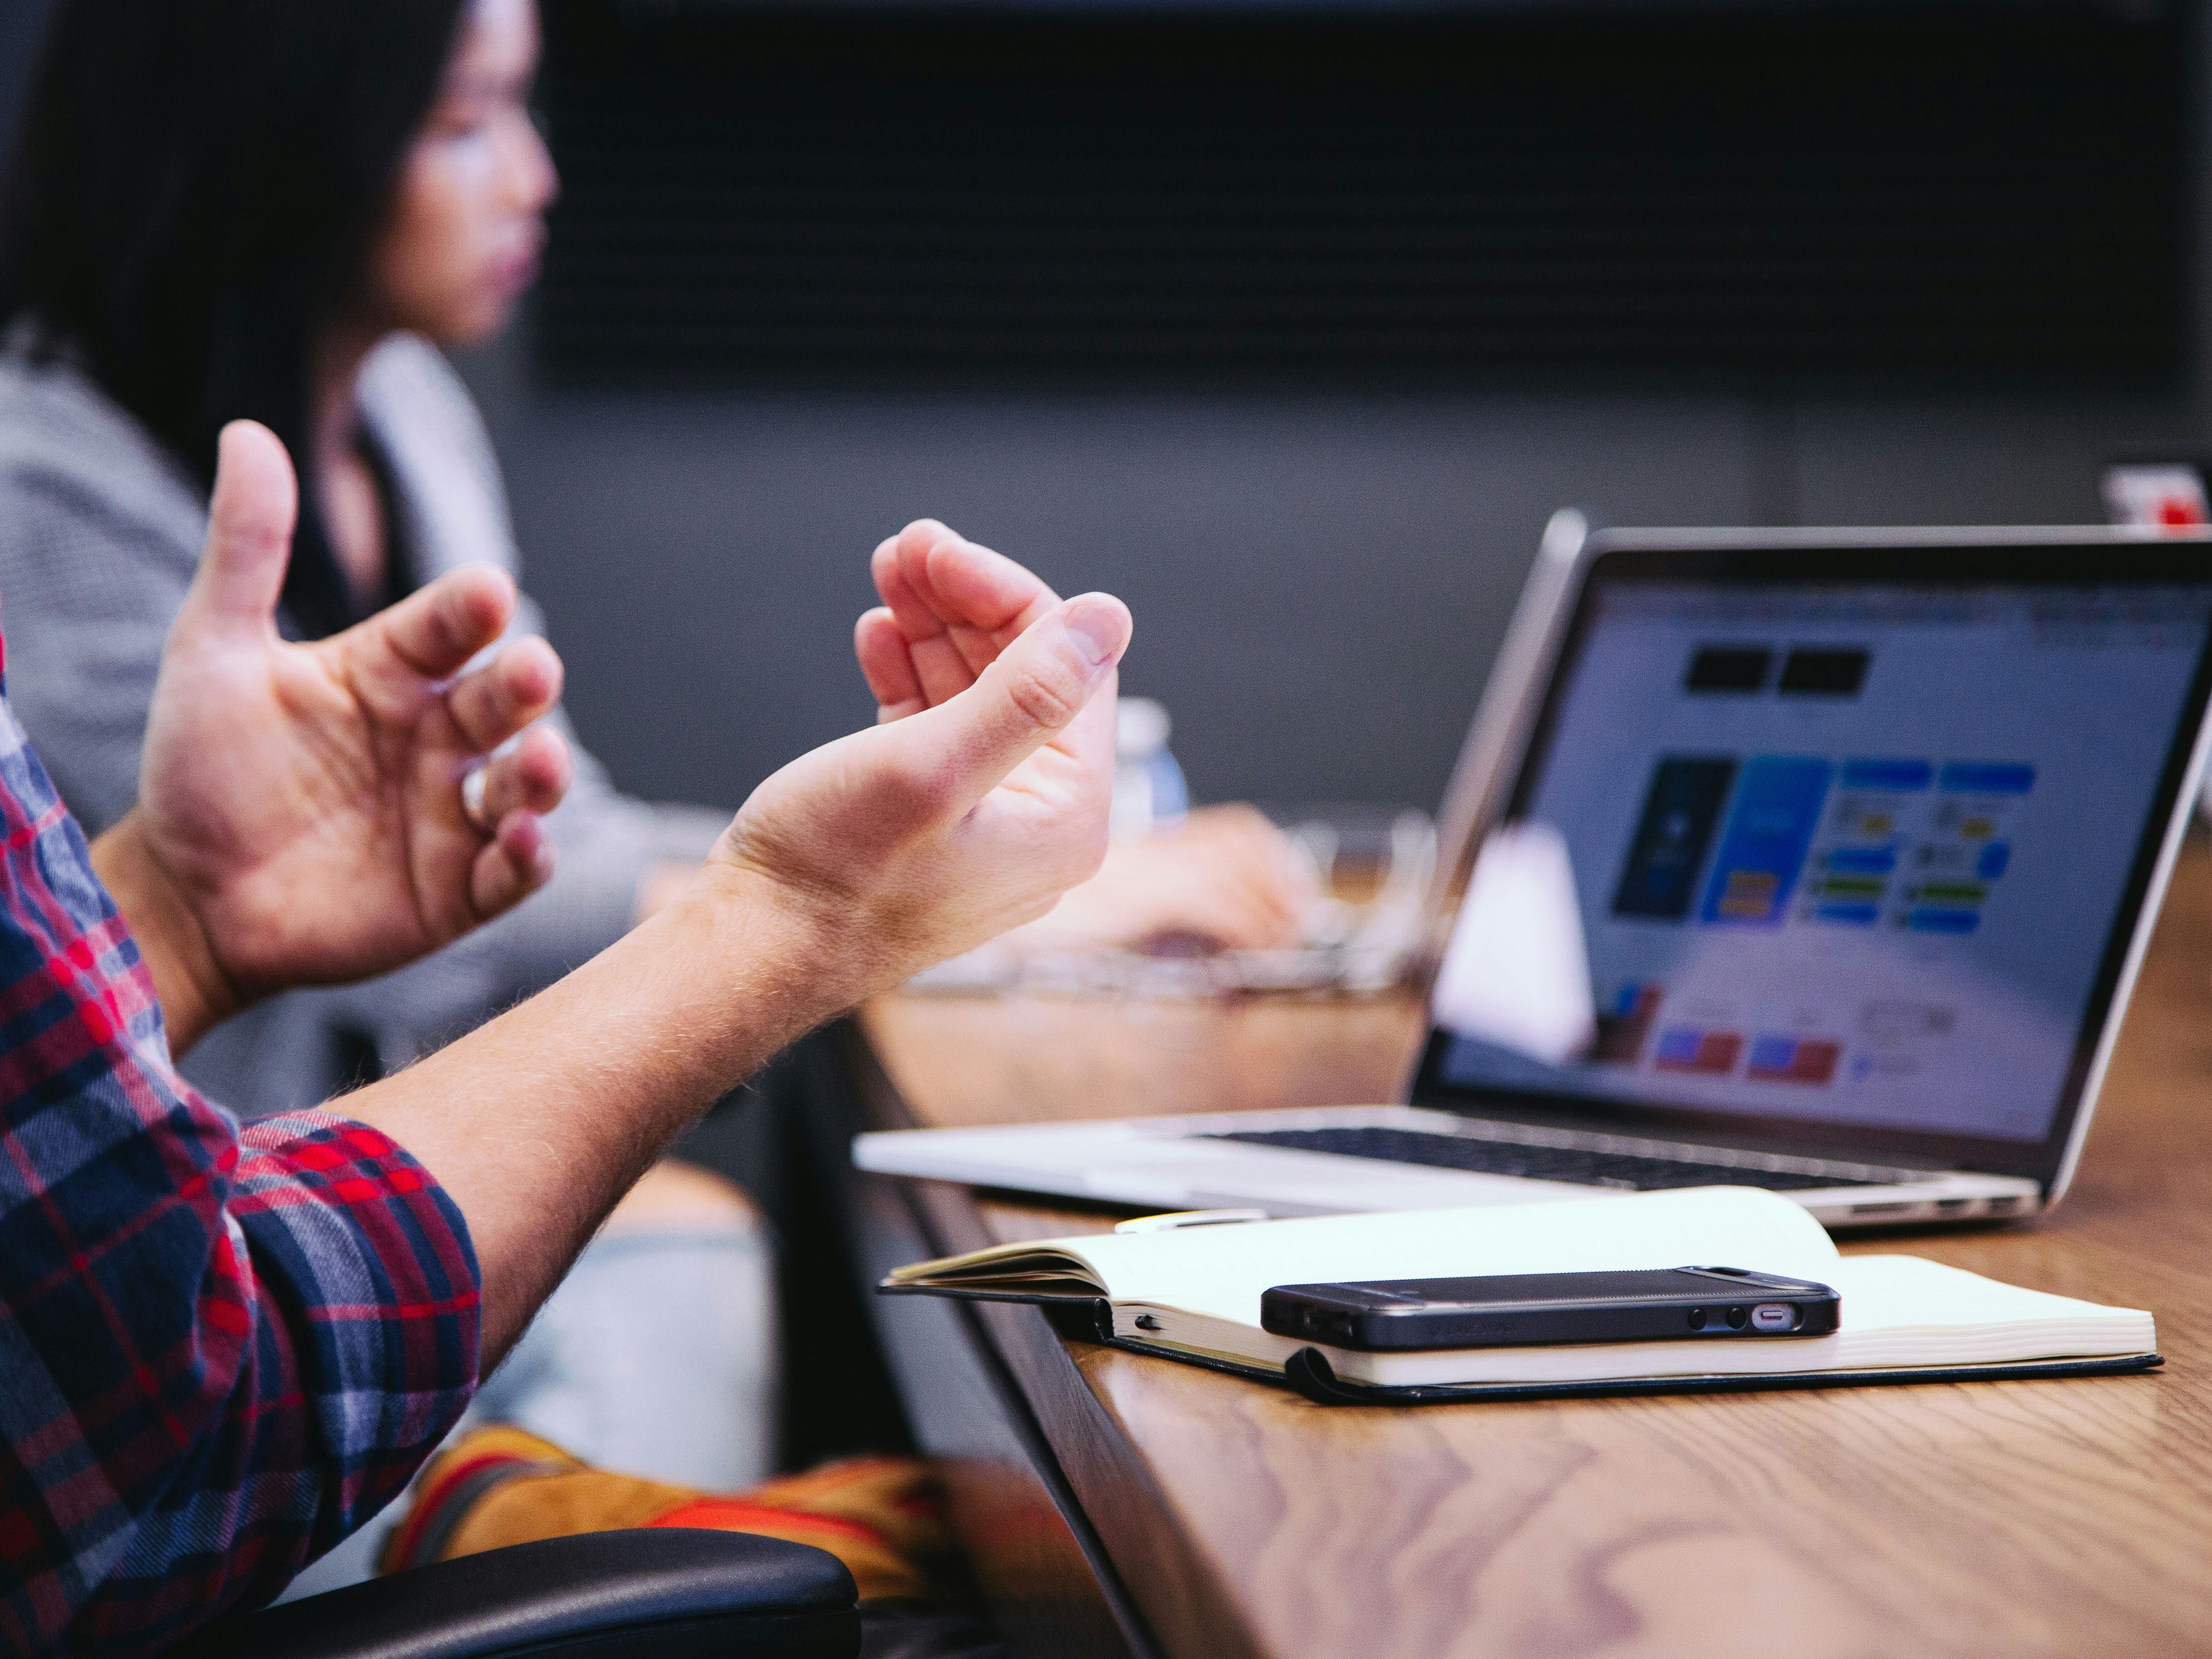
{"x": 468, "y": 219}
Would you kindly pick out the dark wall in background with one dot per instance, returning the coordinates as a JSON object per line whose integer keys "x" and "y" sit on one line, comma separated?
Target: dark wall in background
{"x": 21, "y": 22}
{"x": 1319, "y": 577}
{"x": 1353, "y": 196}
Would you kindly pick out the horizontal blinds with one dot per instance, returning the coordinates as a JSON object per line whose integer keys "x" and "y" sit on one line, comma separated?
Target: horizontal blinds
{"x": 1948, "y": 194}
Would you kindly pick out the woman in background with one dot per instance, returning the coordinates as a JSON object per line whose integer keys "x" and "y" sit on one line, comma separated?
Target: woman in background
{"x": 231, "y": 209}
{"x": 282, "y": 209}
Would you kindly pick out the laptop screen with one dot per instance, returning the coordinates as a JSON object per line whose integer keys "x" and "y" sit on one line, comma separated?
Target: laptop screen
{"x": 1861, "y": 854}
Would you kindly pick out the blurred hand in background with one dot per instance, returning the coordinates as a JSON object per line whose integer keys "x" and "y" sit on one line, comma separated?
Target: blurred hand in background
{"x": 1223, "y": 878}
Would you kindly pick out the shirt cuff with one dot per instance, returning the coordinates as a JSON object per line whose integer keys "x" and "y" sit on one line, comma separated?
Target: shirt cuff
{"x": 340, "y": 1222}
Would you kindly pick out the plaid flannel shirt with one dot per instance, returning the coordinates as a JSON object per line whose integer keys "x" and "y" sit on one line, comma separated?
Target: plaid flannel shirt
{"x": 219, "y": 1351}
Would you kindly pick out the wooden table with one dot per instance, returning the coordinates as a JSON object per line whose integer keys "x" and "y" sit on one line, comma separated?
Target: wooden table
{"x": 1121, "y": 1504}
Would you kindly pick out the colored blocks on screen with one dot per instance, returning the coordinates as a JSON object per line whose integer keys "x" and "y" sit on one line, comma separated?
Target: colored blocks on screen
{"x": 1770, "y": 826}
{"x": 1739, "y": 669}
{"x": 1793, "y": 1059}
{"x": 1936, "y": 919}
{"x": 1749, "y": 896}
{"x": 1659, "y": 877}
{"x": 1995, "y": 859}
{"x": 1621, "y": 1030}
{"x": 1770, "y": 1054}
{"x": 1685, "y": 1049}
{"x": 1986, "y": 778}
{"x": 1862, "y": 860}
{"x": 1851, "y": 887}
{"x": 1860, "y": 915}
{"x": 1953, "y": 894}
{"x": 1816, "y": 672}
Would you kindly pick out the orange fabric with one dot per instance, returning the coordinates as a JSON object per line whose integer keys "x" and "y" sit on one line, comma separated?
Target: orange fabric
{"x": 880, "y": 1515}
{"x": 498, "y": 1446}
{"x": 735, "y": 1515}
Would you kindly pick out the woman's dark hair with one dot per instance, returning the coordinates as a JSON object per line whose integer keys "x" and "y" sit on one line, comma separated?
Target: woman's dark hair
{"x": 193, "y": 195}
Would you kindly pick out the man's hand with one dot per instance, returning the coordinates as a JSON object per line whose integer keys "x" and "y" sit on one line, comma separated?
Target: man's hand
{"x": 1225, "y": 879}
{"x": 980, "y": 795}
{"x": 300, "y": 817}
{"x": 980, "y": 798}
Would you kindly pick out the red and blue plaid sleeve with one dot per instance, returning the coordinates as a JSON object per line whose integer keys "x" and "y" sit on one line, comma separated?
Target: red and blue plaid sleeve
{"x": 220, "y": 1351}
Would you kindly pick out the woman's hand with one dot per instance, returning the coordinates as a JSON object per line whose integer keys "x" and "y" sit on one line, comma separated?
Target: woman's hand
{"x": 1225, "y": 879}
{"x": 300, "y": 817}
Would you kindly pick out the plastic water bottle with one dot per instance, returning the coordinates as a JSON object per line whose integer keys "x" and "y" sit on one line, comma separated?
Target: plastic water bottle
{"x": 1149, "y": 790}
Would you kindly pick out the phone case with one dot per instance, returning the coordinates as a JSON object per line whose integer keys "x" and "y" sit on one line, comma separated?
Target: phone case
{"x": 1526, "y": 1309}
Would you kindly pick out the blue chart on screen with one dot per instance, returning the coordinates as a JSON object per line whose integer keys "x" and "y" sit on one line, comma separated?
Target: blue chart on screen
{"x": 1777, "y": 807}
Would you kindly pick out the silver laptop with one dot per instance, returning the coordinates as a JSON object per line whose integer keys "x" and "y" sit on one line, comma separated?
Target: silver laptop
{"x": 1818, "y": 862}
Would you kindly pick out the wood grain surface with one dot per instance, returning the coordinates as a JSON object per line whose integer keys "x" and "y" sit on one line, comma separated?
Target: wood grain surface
{"x": 2059, "y": 1517}
{"x": 968, "y": 1060}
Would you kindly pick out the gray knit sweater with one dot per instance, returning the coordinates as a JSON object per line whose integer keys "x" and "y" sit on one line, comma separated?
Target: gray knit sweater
{"x": 100, "y": 534}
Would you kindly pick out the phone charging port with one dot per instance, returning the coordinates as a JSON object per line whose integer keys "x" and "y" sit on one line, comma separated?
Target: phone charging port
{"x": 1774, "y": 1316}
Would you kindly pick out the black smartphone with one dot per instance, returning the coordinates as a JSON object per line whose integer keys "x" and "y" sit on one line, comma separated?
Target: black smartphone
{"x": 1516, "y": 1309}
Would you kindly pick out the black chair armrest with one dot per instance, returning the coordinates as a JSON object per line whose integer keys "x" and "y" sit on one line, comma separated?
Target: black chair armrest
{"x": 657, "y": 1593}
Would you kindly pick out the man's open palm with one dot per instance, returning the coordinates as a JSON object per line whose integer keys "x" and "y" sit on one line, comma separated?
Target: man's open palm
{"x": 305, "y": 801}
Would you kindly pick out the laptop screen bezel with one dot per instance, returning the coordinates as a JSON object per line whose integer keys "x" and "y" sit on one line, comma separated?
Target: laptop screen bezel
{"x": 2102, "y": 562}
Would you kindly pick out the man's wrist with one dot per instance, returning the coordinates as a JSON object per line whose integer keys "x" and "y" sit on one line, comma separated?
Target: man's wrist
{"x": 777, "y": 944}
{"x": 195, "y": 994}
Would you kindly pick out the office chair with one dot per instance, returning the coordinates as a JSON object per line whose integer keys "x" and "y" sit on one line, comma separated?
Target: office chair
{"x": 659, "y": 1593}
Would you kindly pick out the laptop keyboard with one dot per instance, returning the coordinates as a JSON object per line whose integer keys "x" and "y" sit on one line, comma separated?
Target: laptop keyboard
{"x": 1574, "y": 1163}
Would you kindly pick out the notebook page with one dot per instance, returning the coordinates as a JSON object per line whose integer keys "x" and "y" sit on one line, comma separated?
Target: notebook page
{"x": 1223, "y": 1271}
{"x": 1900, "y": 1294}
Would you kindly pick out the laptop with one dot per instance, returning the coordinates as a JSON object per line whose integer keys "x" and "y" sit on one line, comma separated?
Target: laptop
{"x": 1820, "y": 861}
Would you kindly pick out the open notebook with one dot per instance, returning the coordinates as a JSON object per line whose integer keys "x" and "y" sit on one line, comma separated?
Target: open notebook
{"x": 1193, "y": 1294}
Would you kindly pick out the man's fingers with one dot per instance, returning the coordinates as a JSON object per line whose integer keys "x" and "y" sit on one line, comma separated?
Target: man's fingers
{"x": 940, "y": 669}
{"x": 517, "y": 863}
{"x": 886, "y": 665}
{"x": 249, "y": 540}
{"x": 436, "y": 630}
{"x": 956, "y": 604}
{"x": 948, "y": 647}
{"x": 514, "y": 688}
{"x": 974, "y": 586}
{"x": 891, "y": 585}
{"x": 934, "y": 579}
{"x": 530, "y": 777}
{"x": 1030, "y": 695}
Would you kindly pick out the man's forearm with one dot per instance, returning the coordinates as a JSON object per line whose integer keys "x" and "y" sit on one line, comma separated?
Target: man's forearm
{"x": 538, "y": 1122}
